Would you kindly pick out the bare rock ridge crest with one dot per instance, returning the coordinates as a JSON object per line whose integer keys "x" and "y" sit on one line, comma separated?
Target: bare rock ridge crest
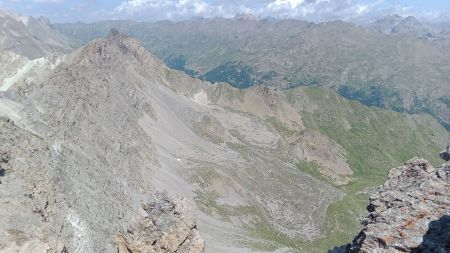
{"x": 367, "y": 65}
{"x": 79, "y": 165}
{"x": 410, "y": 212}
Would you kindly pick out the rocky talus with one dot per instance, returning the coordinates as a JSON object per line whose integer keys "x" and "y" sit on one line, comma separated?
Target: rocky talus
{"x": 410, "y": 212}
{"x": 27, "y": 178}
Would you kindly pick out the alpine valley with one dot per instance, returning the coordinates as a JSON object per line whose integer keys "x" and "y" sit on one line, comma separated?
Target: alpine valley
{"x": 216, "y": 135}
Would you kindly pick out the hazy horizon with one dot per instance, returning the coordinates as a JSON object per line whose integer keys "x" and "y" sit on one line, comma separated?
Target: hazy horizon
{"x": 357, "y": 11}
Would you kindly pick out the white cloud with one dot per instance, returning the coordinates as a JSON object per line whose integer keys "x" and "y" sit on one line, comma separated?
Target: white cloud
{"x": 312, "y": 10}
{"x": 133, "y": 6}
{"x": 164, "y": 9}
{"x": 178, "y": 9}
{"x": 48, "y": 1}
{"x": 279, "y": 4}
{"x": 317, "y": 10}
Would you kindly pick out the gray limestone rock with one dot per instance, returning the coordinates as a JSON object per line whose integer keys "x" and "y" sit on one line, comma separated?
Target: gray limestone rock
{"x": 410, "y": 212}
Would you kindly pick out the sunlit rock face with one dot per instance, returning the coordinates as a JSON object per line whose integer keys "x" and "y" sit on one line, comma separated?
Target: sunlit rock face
{"x": 410, "y": 212}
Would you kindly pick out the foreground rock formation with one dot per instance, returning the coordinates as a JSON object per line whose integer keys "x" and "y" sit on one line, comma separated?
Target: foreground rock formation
{"x": 164, "y": 226}
{"x": 410, "y": 212}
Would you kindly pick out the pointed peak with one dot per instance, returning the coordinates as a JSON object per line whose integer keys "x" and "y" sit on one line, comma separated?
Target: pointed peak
{"x": 115, "y": 35}
{"x": 116, "y": 47}
{"x": 410, "y": 19}
{"x": 245, "y": 16}
{"x": 394, "y": 16}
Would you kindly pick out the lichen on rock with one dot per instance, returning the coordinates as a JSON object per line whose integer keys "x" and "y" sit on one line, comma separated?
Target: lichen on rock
{"x": 410, "y": 212}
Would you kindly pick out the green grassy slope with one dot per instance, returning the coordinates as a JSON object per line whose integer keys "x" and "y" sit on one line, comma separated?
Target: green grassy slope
{"x": 375, "y": 141}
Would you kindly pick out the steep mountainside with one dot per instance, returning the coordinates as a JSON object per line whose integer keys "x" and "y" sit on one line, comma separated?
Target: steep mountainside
{"x": 89, "y": 138}
{"x": 410, "y": 212}
{"x": 76, "y": 178}
{"x": 397, "y": 25}
{"x": 402, "y": 72}
{"x": 335, "y": 134}
{"x": 28, "y": 36}
{"x": 386, "y": 24}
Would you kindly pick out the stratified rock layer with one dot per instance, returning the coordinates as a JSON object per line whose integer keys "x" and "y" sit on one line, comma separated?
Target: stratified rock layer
{"x": 410, "y": 212}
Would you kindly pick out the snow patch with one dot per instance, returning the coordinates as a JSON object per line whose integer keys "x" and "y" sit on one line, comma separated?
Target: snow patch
{"x": 201, "y": 98}
{"x": 37, "y": 65}
{"x": 81, "y": 241}
{"x": 57, "y": 147}
{"x": 22, "y": 19}
{"x": 10, "y": 109}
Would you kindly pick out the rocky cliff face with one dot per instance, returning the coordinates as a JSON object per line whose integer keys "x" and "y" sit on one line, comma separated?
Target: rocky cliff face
{"x": 410, "y": 212}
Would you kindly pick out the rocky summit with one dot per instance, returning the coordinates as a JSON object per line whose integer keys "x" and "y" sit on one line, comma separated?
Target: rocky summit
{"x": 410, "y": 212}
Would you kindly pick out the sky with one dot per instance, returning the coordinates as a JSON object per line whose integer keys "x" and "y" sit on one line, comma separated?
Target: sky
{"x": 151, "y": 10}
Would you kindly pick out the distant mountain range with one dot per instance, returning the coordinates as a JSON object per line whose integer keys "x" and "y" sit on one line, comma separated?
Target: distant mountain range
{"x": 28, "y": 36}
{"x": 394, "y": 24}
{"x": 395, "y": 63}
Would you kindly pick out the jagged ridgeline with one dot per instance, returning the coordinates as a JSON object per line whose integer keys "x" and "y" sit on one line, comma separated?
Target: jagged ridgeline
{"x": 89, "y": 138}
{"x": 392, "y": 64}
{"x": 29, "y": 37}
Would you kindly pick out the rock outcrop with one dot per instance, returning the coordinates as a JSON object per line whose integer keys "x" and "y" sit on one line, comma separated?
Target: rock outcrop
{"x": 410, "y": 212}
{"x": 165, "y": 226}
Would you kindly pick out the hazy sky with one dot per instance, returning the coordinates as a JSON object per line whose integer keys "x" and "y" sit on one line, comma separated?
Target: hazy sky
{"x": 313, "y": 10}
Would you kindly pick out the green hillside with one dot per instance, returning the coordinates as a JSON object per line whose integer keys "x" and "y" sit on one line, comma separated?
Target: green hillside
{"x": 375, "y": 141}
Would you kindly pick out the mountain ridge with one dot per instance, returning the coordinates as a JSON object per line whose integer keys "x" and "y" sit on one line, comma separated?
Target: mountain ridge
{"x": 30, "y": 37}
{"x": 393, "y": 72}
{"x": 110, "y": 124}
